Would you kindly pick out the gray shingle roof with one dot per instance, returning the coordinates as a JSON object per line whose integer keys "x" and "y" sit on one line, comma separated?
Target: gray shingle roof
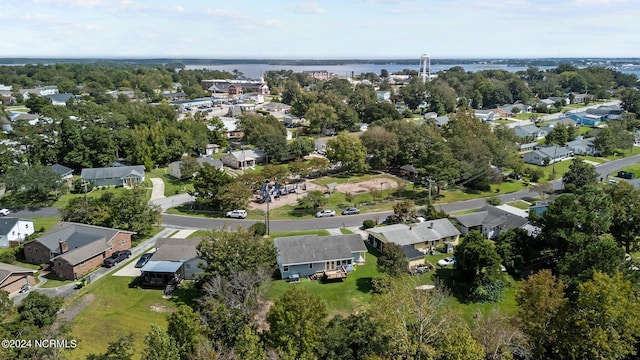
{"x": 7, "y": 269}
{"x": 306, "y": 249}
{"x": 6, "y": 224}
{"x": 112, "y": 172}
{"x": 554, "y": 151}
{"x": 61, "y": 169}
{"x": 171, "y": 249}
{"x": 83, "y": 241}
{"x": 491, "y": 216}
{"x": 431, "y": 230}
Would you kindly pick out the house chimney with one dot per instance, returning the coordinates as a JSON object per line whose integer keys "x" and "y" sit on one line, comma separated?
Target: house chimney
{"x": 431, "y": 225}
{"x": 64, "y": 247}
{"x": 410, "y": 227}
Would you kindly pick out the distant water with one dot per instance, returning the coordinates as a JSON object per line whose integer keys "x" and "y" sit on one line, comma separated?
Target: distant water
{"x": 254, "y": 71}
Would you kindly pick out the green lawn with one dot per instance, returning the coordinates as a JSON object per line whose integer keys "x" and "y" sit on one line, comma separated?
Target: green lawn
{"x": 346, "y": 231}
{"x": 505, "y": 187}
{"x": 635, "y": 168}
{"x": 502, "y": 121}
{"x": 114, "y": 308}
{"x": 53, "y": 281}
{"x": 520, "y": 204}
{"x": 353, "y": 179}
{"x": 45, "y": 223}
{"x": 63, "y": 201}
{"x": 276, "y": 234}
{"x": 172, "y": 186}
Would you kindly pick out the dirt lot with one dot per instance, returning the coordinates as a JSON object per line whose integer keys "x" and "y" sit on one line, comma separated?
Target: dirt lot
{"x": 382, "y": 183}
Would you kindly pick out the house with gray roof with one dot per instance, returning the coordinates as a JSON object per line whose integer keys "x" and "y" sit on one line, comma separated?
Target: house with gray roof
{"x": 14, "y": 231}
{"x": 176, "y": 171}
{"x": 422, "y": 237}
{"x": 486, "y": 115}
{"x": 173, "y": 259}
{"x": 64, "y": 172}
{"x": 243, "y": 159}
{"x": 305, "y": 255}
{"x": 440, "y": 121}
{"x": 490, "y": 221}
{"x": 530, "y": 131}
{"x": 73, "y": 249}
{"x": 13, "y": 278}
{"x": 114, "y": 176}
{"x": 582, "y": 146}
{"x": 547, "y": 155}
{"x": 60, "y": 99}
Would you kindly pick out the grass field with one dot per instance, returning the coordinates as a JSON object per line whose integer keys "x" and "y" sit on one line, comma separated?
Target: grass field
{"x": 113, "y": 308}
{"x": 172, "y": 186}
{"x": 63, "y": 201}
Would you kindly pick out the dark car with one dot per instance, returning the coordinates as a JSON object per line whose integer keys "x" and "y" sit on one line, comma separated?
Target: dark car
{"x": 116, "y": 257}
{"x": 143, "y": 260}
{"x": 351, "y": 211}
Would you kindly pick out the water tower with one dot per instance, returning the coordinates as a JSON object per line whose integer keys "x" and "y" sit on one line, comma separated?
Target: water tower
{"x": 425, "y": 68}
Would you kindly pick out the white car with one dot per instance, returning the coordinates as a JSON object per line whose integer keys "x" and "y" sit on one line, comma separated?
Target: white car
{"x": 325, "y": 213}
{"x": 4, "y": 212}
{"x": 446, "y": 261}
{"x": 238, "y": 214}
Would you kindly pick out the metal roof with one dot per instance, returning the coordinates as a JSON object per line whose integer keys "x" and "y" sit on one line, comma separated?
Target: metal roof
{"x": 306, "y": 249}
{"x": 162, "y": 266}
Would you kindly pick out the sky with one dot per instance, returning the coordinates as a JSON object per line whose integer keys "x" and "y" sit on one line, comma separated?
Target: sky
{"x": 320, "y": 29}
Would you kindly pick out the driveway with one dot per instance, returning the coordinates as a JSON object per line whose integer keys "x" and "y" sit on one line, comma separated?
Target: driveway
{"x": 157, "y": 192}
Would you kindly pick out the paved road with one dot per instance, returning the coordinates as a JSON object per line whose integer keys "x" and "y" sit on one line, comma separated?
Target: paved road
{"x": 187, "y": 222}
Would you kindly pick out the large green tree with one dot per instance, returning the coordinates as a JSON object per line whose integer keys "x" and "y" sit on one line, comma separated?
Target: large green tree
{"x": 478, "y": 265}
{"x": 347, "y": 149}
{"x": 296, "y": 320}
{"x": 393, "y": 261}
{"x": 208, "y": 183}
{"x": 580, "y": 174}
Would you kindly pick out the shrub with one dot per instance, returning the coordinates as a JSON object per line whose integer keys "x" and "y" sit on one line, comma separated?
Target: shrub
{"x": 381, "y": 285}
{"x": 368, "y": 223}
{"x": 258, "y": 229}
{"x": 494, "y": 200}
{"x": 8, "y": 255}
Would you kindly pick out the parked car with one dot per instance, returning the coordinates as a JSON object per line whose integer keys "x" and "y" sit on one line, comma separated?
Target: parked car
{"x": 325, "y": 213}
{"x": 4, "y": 212}
{"x": 144, "y": 259}
{"x": 238, "y": 214}
{"x": 447, "y": 261}
{"x": 117, "y": 257}
{"x": 351, "y": 211}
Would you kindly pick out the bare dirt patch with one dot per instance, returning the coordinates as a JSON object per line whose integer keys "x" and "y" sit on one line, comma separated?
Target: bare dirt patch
{"x": 382, "y": 183}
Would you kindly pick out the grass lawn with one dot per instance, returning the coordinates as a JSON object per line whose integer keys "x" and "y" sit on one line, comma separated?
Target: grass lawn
{"x": 53, "y": 281}
{"x": 584, "y": 130}
{"x": 635, "y": 168}
{"x": 172, "y": 186}
{"x": 624, "y": 153}
{"x": 502, "y": 121}
{"x": 113, "y": 308}
{"x": 520, "y": 204}
{"x": 63, "y": 201}
{"x": 276, "y": 234}
{"x": 496, "y": 189}
{"x": 346, "y": 231}
{"x": 353, "y": 179}
{"x": 45, "y": 223}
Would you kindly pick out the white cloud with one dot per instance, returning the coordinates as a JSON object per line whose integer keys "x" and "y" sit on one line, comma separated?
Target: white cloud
{"x": 307, "y": 8}
{"x": 44, "y": 18}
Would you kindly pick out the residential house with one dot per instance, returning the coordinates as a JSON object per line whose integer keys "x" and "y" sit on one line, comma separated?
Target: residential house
{"x": 276, "y": 107}
{"x": 39, "y": 91}
{"x": 584, "y": 118}
{"x": 321, "y": 144}
{"x": 211, "y": 149}
{"x": 510, "y": 110}
{"x": 232, "y": 131}
{"x": 130, "y": 94}
{"x": 66, "y": 174}
{"x": 490, "y": 221}
{"x": 173, "y": 259}
{"x": 305, "y": 255}
{"x": 74, "y": 249}
{"x": 583, "y": 98}
{"x": 255, "y": 97}
{"x": 565, "y": 121}
{"x": 176, "y": 171}
{"x": 561, "y": 99}
{"x": 547, "y": 102}
{"x": 189, "y": 104}
{"x": 243, "y": 159}
{"x": 383, "y": 95}
{"x": 530, "y": 131}
{"x": 13, "y": 278}
{"x": 547, "y": 155}
{"x": 486, "y": 115}
{"x": 14, "y": 231}
{"x": 441, "y": 121}
{"x": 409, "y": 171}
{"x": 114, "y": 176}
{"x": 60, "y": 99}
{"x": 582, "y": 146}
{"x": 527, "y": 147}
{"x": 430, "y": 115}
{"x": 610, "y": 112}
{"x": 422, "y": 237}
{"x": 292, "y": 120}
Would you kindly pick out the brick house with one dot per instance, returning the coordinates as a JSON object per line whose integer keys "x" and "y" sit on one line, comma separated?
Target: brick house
{"x": 13, "y": 277}
{"x": 74, "y": 249}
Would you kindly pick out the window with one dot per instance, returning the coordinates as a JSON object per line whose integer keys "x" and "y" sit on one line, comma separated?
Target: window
{"x": 187, "y": 266}
{"x": 123, "y": 241}
{"x": 110, "y": 247}
{"x": 59, "y": 263}
{"x": 13, "y": 233}
{"x": 310, "y": 266}
{"x": 348, "y": 261}
{"x": 285, "y": 268}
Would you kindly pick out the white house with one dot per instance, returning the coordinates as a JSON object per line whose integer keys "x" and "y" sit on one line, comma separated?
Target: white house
{"x": 176, "y": 171}
{"x": 13, "y": 231}
{"x": 486, "y": 115}
{"x": 243, "y": 159}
